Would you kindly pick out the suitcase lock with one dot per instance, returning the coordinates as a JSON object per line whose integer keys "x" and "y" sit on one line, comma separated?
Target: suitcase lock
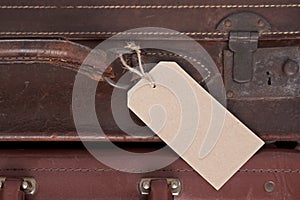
{"x": 252, "y": 72}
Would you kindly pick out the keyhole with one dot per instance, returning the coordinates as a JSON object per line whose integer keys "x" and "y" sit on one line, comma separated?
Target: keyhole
{"x": 269, "y": 78}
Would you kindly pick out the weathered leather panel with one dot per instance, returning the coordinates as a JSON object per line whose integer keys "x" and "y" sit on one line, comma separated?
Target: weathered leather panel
{"x": 37, "y": 82}
{"x": 75, "y": 175}
{"x": 106, "y": 18}
{"x": 38, "y": 74}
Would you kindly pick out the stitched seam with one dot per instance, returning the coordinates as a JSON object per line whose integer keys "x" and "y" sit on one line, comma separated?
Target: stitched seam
{"x": 49, "y": 59}
{"x": 162, "y": 170}
{"x": 109, "y": 33}
{"x": 52, "y": 60}
{"x": 281, "y": 32}
{"x": 72, "y": 169}
{"x": 185, "y": 57}
{"x": 151, "y": 6}
{"x": 74, "y": 66}
{"x": 140, "y": 33}
{"x": 46, "y": 59}
{"x": 270, "y": 171}
{"x": 26, "y": 58}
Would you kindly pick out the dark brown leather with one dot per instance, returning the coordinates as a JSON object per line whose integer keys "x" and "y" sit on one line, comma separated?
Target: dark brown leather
{"x": 11, "y": 190}
{"x": 59, "y": 53}
{"x": 68, "y": 174}
{"x": 36, "y": 83}
{"x": 159, "y": 190}
{"x": 42, "y": 45}
{"x": 38, "y": 93}
{"x": 94, "y": 19}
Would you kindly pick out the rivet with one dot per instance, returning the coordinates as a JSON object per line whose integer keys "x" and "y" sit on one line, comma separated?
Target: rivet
{"x": 228, "y": 23}
{"x": 146, "y": 185}
{"x": 269, "y": 186}
{"x": 229, "y": 94}
{"x": 174, "y": 184}
{"x": 2, "y": 180}
{"x": 290, "y": 67}
{"x": 25, "y": 185}
{"x": 29, "y": 185}
{"x": 260, "y": 23}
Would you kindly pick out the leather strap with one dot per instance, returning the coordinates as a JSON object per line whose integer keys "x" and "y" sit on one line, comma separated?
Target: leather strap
{"x": 59, "y": 53}
{"x": 12, "y": 190}
{"x": 160, "y": 190}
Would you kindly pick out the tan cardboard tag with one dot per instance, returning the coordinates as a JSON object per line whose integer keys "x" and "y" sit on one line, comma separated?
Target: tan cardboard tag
{"x": 180, "y": 112}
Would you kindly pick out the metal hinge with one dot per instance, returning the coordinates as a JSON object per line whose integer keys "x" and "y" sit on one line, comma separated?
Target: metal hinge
{"x": 244, "y": 30}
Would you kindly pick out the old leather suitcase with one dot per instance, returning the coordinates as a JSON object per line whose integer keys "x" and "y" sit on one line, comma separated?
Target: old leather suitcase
{"x": 254, "y": 44}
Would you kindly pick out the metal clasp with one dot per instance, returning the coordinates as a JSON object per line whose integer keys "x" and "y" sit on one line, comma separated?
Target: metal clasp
{"x": 243, "y": 44}
{"x": 174, "y": 185}
{"x": 243, "y": 30}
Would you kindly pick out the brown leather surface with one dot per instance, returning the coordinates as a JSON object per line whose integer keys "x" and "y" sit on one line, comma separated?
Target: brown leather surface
{"x": 160, "y": 190}
{"x": 59, "y": 53}
{"x": 102, "y": 19}
{"x": 66, "y": 174}
{"x": 37, "y": 75}
{"x": 11, "y": 190}
{"x": 38, "y": 93}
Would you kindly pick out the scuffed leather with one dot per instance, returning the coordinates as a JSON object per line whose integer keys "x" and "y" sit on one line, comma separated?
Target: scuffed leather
{"x": 101, "y": 19}
{"x": 66, "y": 174}
{"x": 38, "y": 79}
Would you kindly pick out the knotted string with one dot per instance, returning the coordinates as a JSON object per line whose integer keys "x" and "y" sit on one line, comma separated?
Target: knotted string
{"x": 141, "y": 73}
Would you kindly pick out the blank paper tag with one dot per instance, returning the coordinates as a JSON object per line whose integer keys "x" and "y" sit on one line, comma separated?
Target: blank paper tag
{"x": 181, "y": 113}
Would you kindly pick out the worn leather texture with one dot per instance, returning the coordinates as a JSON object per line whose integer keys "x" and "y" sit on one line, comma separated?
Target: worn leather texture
{"x": 105, "y": 18}
{"x": 36, "y": 91}
{"x": 74, "y": 174}
{"x": 42, "y": 46}
{"x": 39, "y": 77}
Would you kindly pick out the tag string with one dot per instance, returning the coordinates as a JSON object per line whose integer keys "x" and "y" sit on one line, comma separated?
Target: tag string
{"x": 141, "y": 73}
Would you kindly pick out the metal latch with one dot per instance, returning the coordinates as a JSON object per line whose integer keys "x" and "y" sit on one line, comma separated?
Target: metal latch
{"x": 243, "y": 30}
{"x": 243, "y": 44}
